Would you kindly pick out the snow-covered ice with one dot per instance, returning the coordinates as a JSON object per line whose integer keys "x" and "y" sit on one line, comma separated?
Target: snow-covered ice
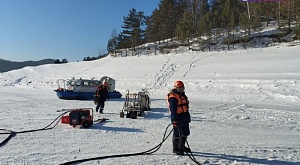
{"x": 244, "y": 106}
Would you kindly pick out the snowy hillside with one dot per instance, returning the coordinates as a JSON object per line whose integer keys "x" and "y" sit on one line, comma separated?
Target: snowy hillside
{"x": 244, "y": 106}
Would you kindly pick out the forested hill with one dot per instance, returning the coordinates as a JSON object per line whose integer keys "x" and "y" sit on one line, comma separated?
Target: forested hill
{"x": 6, "y": 65}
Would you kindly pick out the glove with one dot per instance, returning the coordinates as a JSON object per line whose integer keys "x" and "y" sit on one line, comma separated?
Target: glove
{"x": 174, "y": 123}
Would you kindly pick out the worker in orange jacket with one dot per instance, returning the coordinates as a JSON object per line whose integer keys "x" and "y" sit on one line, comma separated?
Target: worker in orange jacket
{"x": 101, "y": 95}
{"x": 180, "y": 117}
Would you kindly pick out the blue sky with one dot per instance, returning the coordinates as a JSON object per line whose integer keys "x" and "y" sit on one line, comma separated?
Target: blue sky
{"x": 71, "y": 29}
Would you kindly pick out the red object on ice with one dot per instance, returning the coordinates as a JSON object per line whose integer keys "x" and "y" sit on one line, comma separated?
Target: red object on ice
{"x": 65, "y": 119}
{"x": 81, "y": 116}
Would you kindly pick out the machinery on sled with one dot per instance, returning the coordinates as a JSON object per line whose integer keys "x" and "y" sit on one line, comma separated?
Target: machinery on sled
{"x": 135, "y": 104}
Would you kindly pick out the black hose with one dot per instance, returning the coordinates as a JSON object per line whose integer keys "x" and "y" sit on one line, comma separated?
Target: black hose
{"x": 150, "y": 151}
{"x": 190, "y": 154}
{"x": 14, "y": 133}
{"x": 47, "y": 127}
{"x": 11, "y": 135}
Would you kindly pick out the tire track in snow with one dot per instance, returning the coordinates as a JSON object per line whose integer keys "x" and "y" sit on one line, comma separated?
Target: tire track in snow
{"x": 193, "y": 62}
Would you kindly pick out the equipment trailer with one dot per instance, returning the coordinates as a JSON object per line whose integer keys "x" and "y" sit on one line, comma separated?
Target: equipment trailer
{"x": 135, "y": 105}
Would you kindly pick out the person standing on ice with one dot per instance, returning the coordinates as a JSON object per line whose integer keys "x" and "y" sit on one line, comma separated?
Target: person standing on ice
{"x": 101, "y": 96}
{"x": 180, "y": 117}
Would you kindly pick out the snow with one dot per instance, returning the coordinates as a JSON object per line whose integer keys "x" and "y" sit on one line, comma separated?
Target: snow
{"x": 244, "y": 106}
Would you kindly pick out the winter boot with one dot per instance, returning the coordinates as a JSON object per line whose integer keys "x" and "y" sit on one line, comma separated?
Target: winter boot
{"x": 177, "y": 147}
{"x": 183, "y": 140}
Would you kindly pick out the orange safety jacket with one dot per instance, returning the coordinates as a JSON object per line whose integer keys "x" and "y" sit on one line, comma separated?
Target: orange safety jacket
{"x": 182, "y": 103}
{"x": 101, "y": 92}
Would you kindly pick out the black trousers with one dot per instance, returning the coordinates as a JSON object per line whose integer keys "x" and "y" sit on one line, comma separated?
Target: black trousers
{"x": 181, "y": 130}
{"x": 101, "y": 104}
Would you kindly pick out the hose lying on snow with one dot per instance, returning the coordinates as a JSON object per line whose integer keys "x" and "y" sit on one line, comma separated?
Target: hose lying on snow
{"x": 150, "y": 151}
{"x": 11, "y": 134}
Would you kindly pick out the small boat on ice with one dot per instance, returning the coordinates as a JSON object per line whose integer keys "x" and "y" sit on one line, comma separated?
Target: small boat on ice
{"x": 84, "y": 89}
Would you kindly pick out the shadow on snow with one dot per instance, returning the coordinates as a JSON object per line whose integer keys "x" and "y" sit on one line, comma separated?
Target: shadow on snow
{"x": 156, "y": 113}
{"x": 243, "y": 159}
{"x": 114, "y": 129}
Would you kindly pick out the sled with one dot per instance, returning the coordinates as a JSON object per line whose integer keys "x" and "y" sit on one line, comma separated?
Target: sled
{"x": 135, "y": 105}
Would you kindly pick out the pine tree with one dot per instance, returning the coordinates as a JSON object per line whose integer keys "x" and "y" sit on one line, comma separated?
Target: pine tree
{"x": 216, "y": 8}
{"x": 64, "y": 60}
{"x": 166, "y": 20}
{"x": 227, "y": 18}
{"x": 288, "y": 8}
{"x": 202, "y": 12}
{"x": 185, "y": 27}
{"x": 132, "y": 28}
{"x": 152, "y": 32}
{"x": 245, "y": 21}
{"x": 204, "y": 8}
{"x": 122, "y": 41}
{"x": 169, "y": 14}
{"x": 112, "y": 42}
{"x": 57, "y": 61}
{"x": 297, "y": 18}
{"x": 205, "y": 28}
{"x": 255, "y": 16}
